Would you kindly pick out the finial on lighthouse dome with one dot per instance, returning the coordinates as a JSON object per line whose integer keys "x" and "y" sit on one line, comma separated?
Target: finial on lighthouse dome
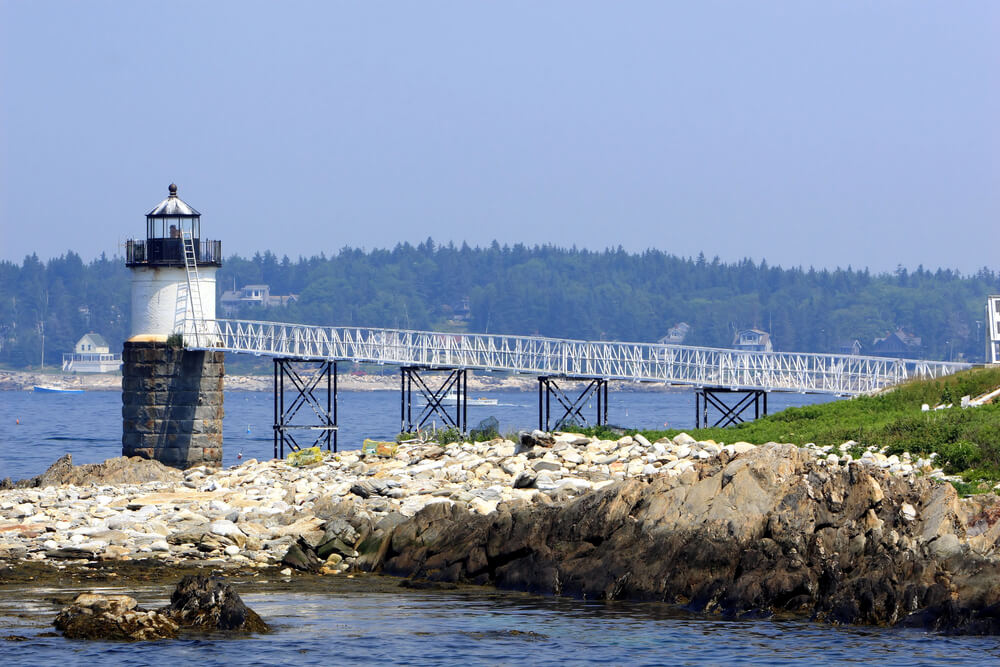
{"x": 173, "y": 189}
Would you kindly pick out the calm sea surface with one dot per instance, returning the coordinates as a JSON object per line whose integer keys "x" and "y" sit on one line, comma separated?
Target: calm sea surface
{"x": 369, "y": 620}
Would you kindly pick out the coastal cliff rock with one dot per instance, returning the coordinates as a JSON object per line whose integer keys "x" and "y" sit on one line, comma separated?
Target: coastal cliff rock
{"x": 770, "y": 529}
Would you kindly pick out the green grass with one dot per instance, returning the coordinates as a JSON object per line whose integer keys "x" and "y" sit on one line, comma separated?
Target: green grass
{"x": 967, "y": 441}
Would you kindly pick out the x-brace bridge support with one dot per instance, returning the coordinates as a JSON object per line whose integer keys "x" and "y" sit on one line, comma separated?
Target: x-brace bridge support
{"x": 436, "y": 401}
{"x": 312, "y": 383}
{"x": 731, "y": 411}
{"x": 572, "y": 407}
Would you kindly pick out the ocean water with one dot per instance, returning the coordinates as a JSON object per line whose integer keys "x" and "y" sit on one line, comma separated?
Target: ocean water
{"x": 36, "y": 429}
{"x": 372, "y": 620}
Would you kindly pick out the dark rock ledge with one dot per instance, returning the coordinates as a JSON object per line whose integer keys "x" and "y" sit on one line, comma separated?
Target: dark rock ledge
{"x": 199, "y": 603}
{"x": 770, "y": 531}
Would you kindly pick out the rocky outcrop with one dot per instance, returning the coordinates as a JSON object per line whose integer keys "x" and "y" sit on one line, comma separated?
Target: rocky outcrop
{"x": 199, "y": 603}
{"x": 113, "y": 617}
{"x": 253, "y": 513}
{"x": 736, "y": 528}
{"x": 120, "y": 470}
{"x": 770, "y": 529}
{"x": 209, "y": 604}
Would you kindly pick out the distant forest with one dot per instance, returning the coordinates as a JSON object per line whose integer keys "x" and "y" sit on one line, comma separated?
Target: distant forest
{"x": 560, "y": 292}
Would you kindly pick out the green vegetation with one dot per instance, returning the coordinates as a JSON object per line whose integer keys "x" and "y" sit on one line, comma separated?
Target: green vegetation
{"x": 442, "y": 436}
{"x": 967, "y": 441}
{"x": 610, "y": 295}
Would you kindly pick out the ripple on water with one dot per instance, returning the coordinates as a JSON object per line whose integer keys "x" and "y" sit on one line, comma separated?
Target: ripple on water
{"x": 484, "y": 627}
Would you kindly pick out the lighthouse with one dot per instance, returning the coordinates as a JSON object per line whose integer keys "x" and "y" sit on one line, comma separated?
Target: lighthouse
{"x": 172, "y": 400}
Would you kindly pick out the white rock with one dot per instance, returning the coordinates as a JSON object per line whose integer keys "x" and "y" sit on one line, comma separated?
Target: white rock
{"x": 482, "y": 506}
{"x": 224, "y": 527}
{"x": 232, "y": 550}
{"x": 908, "y": 512}
{"x": 642, "y": 441}
{"x": 219, "y": 506}
{"x": 22, "y": 510}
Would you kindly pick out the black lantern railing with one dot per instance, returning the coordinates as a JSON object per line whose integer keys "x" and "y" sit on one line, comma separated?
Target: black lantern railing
{"x": 170, "y": 252}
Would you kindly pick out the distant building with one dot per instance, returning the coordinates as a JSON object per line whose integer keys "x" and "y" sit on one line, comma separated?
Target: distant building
{"x": 91, "y": 354}
{"x": 993, "y": 325}
{"x": 853, "y": 347}
{"x": 896, "y": 344}
{"x": 253, "y": 295}
{"x": 753, "y": 340}
{"x": 460, "y": 312}
{"x": 676, "y": 334}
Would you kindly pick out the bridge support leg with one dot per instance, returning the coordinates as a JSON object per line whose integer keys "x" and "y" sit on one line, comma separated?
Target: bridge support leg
{"x": 572, "y": 407}
{"x": 731, "y": 411}
{"x": 436, "y": 400}
{"x": 312, "y": 383}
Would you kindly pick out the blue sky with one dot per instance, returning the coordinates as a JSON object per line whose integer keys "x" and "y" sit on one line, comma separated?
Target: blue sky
{"x": 823, "y": 134}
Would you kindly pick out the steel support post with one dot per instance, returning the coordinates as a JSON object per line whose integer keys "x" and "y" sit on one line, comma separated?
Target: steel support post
{"x": 312, "y": 383}
{"x": 731, "y": 410}
{"x": 436, "y": 401}
{"x": 572, "y": 407}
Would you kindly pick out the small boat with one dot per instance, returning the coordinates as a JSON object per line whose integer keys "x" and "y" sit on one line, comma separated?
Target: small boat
{"x": 449, "y": 399}
{"x": 50, "y": 389}
{"x": 482, "y": 400}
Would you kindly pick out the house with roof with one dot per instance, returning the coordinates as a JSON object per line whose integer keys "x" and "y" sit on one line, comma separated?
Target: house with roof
{"x": 676, "y": 334}
{"x": 752, "y": 340}
{"x": 851, "y": 346}
{"x": 91, "y": 354}
{"x": 898, "y": 343}
{"x": 232, "y": 301}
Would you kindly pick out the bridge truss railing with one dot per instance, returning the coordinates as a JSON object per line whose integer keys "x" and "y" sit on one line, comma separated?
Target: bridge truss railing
{"x": 640, "y": 362}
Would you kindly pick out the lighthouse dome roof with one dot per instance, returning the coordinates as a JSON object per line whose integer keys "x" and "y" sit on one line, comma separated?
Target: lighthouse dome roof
{"x": 173, "y": 206}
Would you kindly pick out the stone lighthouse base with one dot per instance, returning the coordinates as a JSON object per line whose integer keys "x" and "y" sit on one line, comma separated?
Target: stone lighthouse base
{"x": 172, "y": 404}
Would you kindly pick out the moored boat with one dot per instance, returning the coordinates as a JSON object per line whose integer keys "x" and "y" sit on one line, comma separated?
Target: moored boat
{"x": 450, "y": 399}
{"x": 51, "y": 389}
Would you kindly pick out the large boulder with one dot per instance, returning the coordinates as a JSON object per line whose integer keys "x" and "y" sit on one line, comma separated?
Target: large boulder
{"x": 206, "y": 603}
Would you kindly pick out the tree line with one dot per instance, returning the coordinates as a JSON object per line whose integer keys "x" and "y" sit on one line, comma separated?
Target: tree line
{"x": 516, "y": 289}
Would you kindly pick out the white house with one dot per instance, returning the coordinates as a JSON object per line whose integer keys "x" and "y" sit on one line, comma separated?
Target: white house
{"x": 91, "y": 354}
{"x": 752, "y": 340}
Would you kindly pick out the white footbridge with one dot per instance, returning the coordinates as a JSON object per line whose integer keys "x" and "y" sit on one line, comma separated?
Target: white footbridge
{"x": 846, "y": 375}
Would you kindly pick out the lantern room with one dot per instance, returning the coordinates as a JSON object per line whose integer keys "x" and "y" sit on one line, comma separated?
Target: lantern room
{"x": 168, "y": 226}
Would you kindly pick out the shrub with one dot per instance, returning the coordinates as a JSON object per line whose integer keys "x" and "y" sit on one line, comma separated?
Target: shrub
{"x": 958, "y": 456}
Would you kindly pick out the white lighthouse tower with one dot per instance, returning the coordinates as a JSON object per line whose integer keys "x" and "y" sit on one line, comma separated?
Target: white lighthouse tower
{"x": 173, "y": 272}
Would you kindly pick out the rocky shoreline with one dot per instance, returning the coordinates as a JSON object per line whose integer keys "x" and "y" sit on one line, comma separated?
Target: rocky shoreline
{"x": 736, "y": 529}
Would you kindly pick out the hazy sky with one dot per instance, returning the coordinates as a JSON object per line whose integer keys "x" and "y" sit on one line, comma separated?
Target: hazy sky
{"x": 806, "y": 133}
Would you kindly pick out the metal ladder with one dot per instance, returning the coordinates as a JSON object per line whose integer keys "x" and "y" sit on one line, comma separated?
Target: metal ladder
{"x": 193, "y": 283}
